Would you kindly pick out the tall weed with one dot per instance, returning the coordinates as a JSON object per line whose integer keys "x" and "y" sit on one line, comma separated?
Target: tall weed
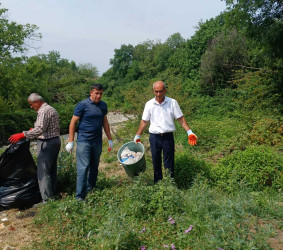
{"x": 66, "y": 172}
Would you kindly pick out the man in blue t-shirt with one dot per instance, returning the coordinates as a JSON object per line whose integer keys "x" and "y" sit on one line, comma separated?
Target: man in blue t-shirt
{"x": 92, "y": 116}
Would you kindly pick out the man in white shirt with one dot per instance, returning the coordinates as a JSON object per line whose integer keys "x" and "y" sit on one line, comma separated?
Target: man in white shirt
{"x": 161, "y": 111}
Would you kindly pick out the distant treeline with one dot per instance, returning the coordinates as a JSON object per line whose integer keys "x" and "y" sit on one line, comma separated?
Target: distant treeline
{"x": 61, "y": 83}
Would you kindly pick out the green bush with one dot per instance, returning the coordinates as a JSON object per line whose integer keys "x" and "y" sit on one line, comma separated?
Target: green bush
{"x": 258, "y": 167}
{"x": 160, "y": 200}
{"x": 221, "y": 59}
{"x": 66, "y": 172}
{"x": 187, "y": 168}
{"x": 266, "y": 131}
{"x": 15, "y": 122}
{"x": 65, "y": 112}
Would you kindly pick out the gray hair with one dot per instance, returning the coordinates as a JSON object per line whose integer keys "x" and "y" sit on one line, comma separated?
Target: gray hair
{"x": 33, "y": 97}
{"x": 164, "y": 84}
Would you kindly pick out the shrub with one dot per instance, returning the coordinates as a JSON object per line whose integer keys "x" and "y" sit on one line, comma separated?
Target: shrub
{"x": 65, "y": 112}
{"x": 160, "y": 200}
{"x": 187, "y": 168}
{"x": 258, "y": 167}
{"x": 66, "y": 172}
{"x": 165, "y": 200}
{"x": 15, "y": 122}
{"x": 266, "y": 131}
{"x": 220, "y": 60}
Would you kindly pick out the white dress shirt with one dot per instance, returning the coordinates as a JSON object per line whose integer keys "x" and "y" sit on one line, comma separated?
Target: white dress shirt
{"x": 161, "y": 116}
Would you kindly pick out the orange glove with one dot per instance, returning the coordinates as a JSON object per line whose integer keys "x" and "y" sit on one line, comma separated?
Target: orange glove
{"x": 192, "y": 138}
{"x": 16, "y": 137}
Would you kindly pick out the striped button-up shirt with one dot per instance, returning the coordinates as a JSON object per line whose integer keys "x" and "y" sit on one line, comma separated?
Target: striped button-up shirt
{"x": 46, "y": 125}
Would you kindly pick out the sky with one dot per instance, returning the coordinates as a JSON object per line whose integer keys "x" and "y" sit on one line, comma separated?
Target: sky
{"x": 88, "y": 31}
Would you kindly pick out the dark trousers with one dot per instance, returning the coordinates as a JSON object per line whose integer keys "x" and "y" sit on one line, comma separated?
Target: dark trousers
{"x": 162, "y": 143}
{"x": 48, "y": 151}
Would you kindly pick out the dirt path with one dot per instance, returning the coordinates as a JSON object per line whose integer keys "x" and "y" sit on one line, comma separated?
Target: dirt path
{"x": 17, "y": 229}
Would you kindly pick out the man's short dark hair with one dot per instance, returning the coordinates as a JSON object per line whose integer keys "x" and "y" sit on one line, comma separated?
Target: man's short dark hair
{"x": 97, "y": 86}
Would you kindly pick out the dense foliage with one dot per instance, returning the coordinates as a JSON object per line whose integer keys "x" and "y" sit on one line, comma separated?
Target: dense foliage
{"x": 60, "y": 82}
{"x": 227, "y": 79}
{"x": 256, "y": 167}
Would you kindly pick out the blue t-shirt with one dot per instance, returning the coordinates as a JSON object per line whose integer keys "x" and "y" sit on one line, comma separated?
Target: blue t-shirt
{"x": 91, "y": 120}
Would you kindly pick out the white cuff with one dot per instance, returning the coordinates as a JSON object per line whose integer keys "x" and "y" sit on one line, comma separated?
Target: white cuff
{"x": 189, "y": 132}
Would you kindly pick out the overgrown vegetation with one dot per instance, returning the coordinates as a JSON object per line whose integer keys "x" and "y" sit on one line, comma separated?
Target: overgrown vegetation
{"x": 227, "y": 79}
{"x": 129, "y": 214}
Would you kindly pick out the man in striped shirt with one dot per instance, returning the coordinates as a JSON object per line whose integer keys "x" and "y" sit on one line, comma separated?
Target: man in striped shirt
{"x": 47, "y": 131}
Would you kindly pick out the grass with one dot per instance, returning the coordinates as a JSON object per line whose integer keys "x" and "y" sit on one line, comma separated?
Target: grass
{"x": 123, "y": 213}
{"x": 131, "y": 214}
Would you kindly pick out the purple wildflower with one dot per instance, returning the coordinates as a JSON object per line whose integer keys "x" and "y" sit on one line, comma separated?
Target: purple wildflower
{"x": 142, "y": 231}
{"x": 171, "y": 220}
{"x": 189, "y": 229}
{"x": 173, "y": 246}
{"x": 143, "y": 248}
{"x": 166, "y": 246}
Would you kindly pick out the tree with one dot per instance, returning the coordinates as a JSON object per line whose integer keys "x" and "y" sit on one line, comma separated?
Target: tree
{"x": 122, "y": 60}
{"x": 261, "y": 20}
{"x": 13, "y": 36}
{"x": 257, "y": 12}
{"x": 88, "y": 70}
{"x": 225, "y": 54}
{"x": 186, "y": 58}
{"x": 175, "y": 41}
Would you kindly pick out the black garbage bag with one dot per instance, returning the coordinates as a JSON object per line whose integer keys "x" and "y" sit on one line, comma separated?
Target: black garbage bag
{"x": 18, "y": 177}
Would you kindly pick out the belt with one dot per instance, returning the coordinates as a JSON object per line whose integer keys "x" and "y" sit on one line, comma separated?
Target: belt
{"x": 52, "y": 138}
{"x": 164, "y": 134}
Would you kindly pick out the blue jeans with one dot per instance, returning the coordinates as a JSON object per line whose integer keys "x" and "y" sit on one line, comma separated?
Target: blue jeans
{"x": 88, "y": 155}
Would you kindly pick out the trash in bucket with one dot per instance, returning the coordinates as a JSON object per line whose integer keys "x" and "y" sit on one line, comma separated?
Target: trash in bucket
{"x": 131, "y": 156}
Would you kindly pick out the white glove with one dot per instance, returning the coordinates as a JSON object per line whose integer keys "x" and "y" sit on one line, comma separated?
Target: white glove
{"x": 137, "y": 138}
{"x": 190, "y": 132}
{"x": 69, "y": 147}
{"x": 110, "y": 145}
{"x": 192, "y": 138}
